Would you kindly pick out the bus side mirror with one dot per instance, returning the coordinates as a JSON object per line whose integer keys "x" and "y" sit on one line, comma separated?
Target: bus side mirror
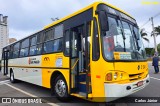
{"x": 103, "y": 21}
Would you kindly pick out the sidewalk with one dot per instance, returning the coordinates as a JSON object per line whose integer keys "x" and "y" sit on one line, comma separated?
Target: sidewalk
{"x": 151, "y": 61}
{"x": 2, "y": 77}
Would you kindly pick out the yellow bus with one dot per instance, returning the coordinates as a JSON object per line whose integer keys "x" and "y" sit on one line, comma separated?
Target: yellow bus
{"x": 95, "y": 53}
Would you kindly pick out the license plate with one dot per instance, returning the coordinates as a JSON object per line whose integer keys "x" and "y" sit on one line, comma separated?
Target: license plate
{"x": 140, "y": 83}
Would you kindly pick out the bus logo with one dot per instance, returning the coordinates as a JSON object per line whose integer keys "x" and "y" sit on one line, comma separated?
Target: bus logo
{"x": 46, "y": 59}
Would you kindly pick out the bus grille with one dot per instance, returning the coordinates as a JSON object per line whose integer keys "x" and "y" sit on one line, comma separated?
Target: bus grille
{"x": 133, "y": 77}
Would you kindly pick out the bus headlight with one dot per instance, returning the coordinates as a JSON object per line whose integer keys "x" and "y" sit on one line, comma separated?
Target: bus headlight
{"x": 121, "y": 75}
{"x": 115, "y": 75}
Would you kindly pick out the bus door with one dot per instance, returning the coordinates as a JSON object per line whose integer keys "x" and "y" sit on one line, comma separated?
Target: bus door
{"x": 5, "y": 62}
{"x": 74, "y": 59}
{"x": 79, "y": 61}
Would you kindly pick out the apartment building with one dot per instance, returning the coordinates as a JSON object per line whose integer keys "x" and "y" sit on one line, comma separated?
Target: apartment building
{"x": 4, "y": 39}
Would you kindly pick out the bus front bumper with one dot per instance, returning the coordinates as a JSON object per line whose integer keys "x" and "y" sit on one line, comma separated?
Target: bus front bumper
{"x": 115, "y": 91}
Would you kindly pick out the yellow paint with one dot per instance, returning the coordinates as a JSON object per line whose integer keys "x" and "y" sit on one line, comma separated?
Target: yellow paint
{"x": 46, "y": 73}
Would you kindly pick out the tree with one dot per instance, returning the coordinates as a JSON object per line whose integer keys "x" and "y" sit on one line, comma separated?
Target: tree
{"x": 153, "y": 50}
{"x": 157, "y": 31}
{"x": 149, "y": 51}
{"x": 144, "y": 34}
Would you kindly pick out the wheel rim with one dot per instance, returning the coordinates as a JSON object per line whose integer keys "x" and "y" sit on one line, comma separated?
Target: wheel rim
{"x": 60, "y": 88}
{"x": 11, "y": 76}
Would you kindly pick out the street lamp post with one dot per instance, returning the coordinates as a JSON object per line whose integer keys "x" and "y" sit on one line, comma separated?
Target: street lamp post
{"x": 154, "y": 36}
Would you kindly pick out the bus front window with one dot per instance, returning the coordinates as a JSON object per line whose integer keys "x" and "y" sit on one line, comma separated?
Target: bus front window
{"x": 119, "y": 42}
{"x": 141, "y": 54}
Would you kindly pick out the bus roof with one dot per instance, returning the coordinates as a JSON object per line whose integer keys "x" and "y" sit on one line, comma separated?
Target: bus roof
{"x": 84, "y": 9}
{"x": 71, "y": 15}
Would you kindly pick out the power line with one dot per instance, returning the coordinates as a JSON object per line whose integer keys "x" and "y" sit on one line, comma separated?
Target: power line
{"x": 145, "y": 23}
{"x": 156, "y": 15}
{"x": 150, "y": 20}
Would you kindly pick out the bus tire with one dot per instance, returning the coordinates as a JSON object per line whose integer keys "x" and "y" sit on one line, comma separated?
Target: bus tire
{"x": 61, "y": 88}
{"x": 12, "y": 80}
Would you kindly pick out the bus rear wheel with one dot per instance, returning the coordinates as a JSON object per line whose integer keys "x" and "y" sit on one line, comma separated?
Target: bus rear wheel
{"x": 61, "y": 88}
{"x": 12, "y": 77}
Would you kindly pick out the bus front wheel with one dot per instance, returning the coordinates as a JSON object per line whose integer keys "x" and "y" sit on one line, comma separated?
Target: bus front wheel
{"x": 61, "y": 88}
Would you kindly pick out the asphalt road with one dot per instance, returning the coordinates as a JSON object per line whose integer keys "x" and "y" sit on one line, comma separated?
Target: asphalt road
{"x": 23, "y": 89}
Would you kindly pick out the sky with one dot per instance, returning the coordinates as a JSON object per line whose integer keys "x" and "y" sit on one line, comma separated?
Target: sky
{"x": 26, "y": 17}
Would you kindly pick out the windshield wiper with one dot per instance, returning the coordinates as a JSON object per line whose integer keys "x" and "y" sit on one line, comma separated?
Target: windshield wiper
{"x": 123, "y": 34}
{"x": 136, "y": 39}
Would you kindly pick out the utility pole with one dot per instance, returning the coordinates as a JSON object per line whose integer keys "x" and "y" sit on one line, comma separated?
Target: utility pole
{"x": 154, "y": 36}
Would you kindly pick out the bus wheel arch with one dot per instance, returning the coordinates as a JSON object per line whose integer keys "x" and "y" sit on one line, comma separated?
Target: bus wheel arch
{"x": 55, "y": 78}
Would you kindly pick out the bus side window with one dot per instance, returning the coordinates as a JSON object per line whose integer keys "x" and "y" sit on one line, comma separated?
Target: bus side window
{"x": 24, "y": 48}
{"x": 40, "y": 39}
{"x": 11, "y": 52}
{"x": 49, "y": 35}
{"x": 16, "y": 50}
{"x": 57, "y": 45}
{"x": 39, "y": 49}
{"x": 58, "y": 31}
{"x": 66, "y": 43}
{"x": 95, "y": 47}
{"x": 32, "y": 50}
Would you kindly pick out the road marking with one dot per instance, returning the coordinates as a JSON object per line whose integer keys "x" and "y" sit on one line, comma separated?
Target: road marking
{"x": 154, "y": 78}
{"x": 4, "y": 81}
{"x": 29, "y": 94}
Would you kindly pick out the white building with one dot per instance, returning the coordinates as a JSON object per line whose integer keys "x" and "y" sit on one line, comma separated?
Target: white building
{"x": 4, "y": 40}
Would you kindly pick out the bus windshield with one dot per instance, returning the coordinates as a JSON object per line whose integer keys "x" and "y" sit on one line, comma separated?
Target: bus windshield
{"x": 122, "y": 41}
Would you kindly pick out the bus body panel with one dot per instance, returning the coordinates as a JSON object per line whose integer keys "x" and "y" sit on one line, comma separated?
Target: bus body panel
{"x": 114, "y": 91}
{"x": 27, "y": 69}
{"x": 51, "y": 63}
{"x": 39, "y": 69}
